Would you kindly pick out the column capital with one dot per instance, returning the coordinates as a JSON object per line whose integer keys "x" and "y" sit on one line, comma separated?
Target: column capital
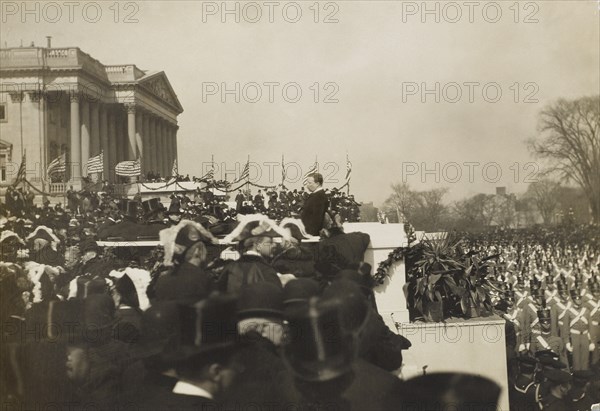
{"x": 131, "y": 108}
{"x": 74, "y": 96}
{"x": 16, "y": 96}
{"x": 36, "y": 95}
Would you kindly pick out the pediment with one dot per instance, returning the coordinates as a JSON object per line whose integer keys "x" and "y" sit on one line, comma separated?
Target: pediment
{"x": 158, "y": 85}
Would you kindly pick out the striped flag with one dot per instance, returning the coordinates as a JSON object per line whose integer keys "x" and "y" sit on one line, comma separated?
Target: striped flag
{"x": 313, "y": 169}
{"x": 57, "y": 166}
{"x": 22, "y": 170}
{"x": 348, "y": 169}
{"x": 96, "y": 164}
{"x": 282, "y": 171}
{"x": 174, "y": 170}
{"x": 129, "y": 168}
{"x": 246, "y": 172}
{"x": 210, "y": 175}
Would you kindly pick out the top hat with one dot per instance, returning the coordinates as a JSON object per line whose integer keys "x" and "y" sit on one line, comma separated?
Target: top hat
{"x": 89, "y": 321}
{"x": 128, "y": 207}
{"x": 152, "y": 206}
{"x": 318, "y": 349}
{"x": 450, "y": 391}
{"x": 204, "y": 327}
{"x": 88, "y": 245}
{"x": 353, "y": 304}
{"x": 299, "y": 291}
{"x": 88, "y": 285}
{"x": 261, "y": 299}
{"x": 160, "y": 327}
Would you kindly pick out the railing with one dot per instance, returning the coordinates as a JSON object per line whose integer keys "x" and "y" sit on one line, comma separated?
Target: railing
{"x": 57, "y": 188}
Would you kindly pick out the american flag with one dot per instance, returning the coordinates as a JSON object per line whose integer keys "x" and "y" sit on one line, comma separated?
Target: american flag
{"x": 96, "y": 164}
{"x": 282, "y": 171}
{"x": 313, "y": 169}
{"x": 129, "y": 168}
{"x": 22, "y": 170}
{"x": 246, "y": 172}
{"x": 348, "y": 169}
{"x": 57, "y": 166}
{"x": 174, "y": 170}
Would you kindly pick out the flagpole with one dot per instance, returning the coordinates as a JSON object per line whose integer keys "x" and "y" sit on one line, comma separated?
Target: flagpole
{"x": 347, "y": 163}
{"x": 248, "y": 175}
{"x": 282, "y": 171}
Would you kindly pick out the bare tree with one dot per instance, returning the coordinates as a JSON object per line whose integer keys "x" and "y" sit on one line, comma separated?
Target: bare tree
{"x": 544, "y": 194}
{"x": 570, "y": 140}
{"x": 401, "y": 201}
{"x": 431, "y": 207}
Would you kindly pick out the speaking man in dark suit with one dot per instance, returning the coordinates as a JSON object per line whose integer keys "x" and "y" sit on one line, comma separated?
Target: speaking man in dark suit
{"x": 315, "y": 206}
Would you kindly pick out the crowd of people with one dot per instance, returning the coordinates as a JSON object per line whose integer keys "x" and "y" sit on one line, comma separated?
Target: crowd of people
{"x": 548, "y": 290}
{"x": 237, "y": 310}
{"x": 256, "y": 317}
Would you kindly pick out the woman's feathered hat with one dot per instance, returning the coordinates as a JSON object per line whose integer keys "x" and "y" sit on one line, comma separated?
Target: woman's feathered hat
{"x": 256, "y": 225}
{"x": 45, "y": 233}
{"x": 296, "y": 228}
{"x": 179, "y": 238}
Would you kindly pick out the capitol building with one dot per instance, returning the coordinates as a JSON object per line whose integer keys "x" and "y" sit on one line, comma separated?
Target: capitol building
{"x": 62, "y": 103}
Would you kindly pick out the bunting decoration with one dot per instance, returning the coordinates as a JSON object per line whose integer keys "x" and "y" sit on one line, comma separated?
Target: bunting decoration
{"x": 129, "y": 168}
{"x": 96, "y": 164}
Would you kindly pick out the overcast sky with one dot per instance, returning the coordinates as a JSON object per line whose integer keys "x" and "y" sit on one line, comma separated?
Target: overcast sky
{"x": 374, "y": 61}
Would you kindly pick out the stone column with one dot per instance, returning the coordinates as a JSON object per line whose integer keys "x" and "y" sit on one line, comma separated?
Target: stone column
{"x": 75, "y": 160}
{"x": 146, "y": 163}
{"x": 113, "y": 155}
{"x": 168, "y": 155}
{"x": 131, "y": 126}
{"x": 94, "y": 130}
{"x": 138, "y": 137}
{"x": 175, "y": 153}
{"x": 163, "y": 146}
{"x": 85, "y": 135}
{"x": 104, "y": 145}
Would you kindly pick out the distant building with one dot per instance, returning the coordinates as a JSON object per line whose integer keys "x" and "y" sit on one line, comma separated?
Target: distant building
{"x": 56, "y": 101}
{"x": 500, "y": 191}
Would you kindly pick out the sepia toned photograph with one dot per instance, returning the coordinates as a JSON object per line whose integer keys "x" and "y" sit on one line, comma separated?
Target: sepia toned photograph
{"x": 308, "y": 205}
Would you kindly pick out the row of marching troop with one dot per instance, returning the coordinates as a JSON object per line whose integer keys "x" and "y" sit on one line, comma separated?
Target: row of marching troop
{"x": 548, "y": 291}
{"x": 276, "y": 319}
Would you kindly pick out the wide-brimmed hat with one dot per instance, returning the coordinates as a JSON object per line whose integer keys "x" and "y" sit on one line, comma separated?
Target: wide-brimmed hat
{"x": 295, "y": 227}
{"x": 8, "y": 234}
{"x": 45, "y": 233}
{"x": 318, "y": 348}
{"x": 177, "y": 239}
{"x": 256, "y": 225}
